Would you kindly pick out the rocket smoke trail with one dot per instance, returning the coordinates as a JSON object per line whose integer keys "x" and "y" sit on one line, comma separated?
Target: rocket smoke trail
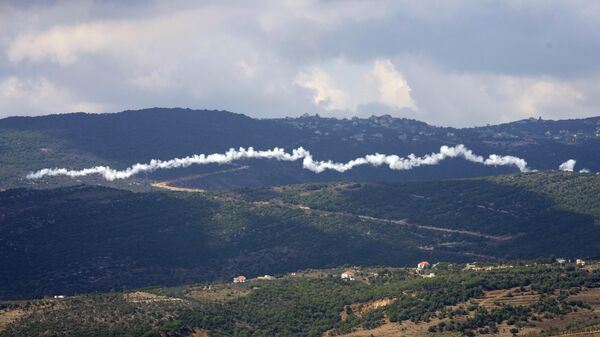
{"x": 394, "y": 162}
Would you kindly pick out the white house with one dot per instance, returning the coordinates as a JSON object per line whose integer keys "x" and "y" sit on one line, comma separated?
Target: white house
{"x": 422, "y": 265}
{"x": 347, "y": 275}
{"x": 266, "y": 277}
{"x": 239, "y": 279}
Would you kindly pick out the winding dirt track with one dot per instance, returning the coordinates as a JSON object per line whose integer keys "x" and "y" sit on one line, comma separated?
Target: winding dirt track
{"x": 168, "y": 186}
{"x": 440, "y": 229}
{"x": 390, "y": 221}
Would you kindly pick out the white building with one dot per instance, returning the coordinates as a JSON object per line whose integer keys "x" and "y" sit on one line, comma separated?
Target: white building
{"x": 239, "y": 279}
{"x": 266, "y": 277}
{"x": 423, "y": 265}
{"x": 347, "y": 275}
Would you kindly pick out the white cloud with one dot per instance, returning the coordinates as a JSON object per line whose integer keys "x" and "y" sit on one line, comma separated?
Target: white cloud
{"x": 547, "y": 95}
{"x": 346, "y": 88}
{"x": 36, "y": 96}
{"x": 393, "y": 89}
{"x": 325, "y": 92}
{"x": 451, "y": 98}
{"x": 61, "y": 44}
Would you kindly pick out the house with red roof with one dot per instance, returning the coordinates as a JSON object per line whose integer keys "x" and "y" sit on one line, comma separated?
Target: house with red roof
{"x": 347, "y": 275}
{"x": 423, "y": 265}
{"x": 239, "y": 279}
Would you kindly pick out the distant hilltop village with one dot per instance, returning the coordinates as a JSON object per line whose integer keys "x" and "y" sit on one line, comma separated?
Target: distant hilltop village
{"x": 423, "y": 269}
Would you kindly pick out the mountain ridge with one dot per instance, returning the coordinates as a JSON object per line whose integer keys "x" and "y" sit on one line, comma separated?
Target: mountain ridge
{"x": 119, "y": 140}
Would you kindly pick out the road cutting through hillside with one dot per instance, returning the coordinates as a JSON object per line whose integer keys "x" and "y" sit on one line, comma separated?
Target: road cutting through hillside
{"x": 168, "y": 185}
{"x": 390, "y": 221}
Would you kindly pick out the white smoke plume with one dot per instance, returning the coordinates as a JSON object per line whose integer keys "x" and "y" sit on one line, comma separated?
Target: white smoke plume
{"x": 568, "y": 166}
{"x": 392, "y": 161}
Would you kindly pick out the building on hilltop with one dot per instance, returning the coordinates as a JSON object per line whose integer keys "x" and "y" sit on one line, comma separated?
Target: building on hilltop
{"x": 239, "y": 279}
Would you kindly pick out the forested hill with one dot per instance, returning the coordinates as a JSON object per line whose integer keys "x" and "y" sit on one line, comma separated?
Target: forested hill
{"x": 79, "y": 140}
{"x": 86, "y": 238}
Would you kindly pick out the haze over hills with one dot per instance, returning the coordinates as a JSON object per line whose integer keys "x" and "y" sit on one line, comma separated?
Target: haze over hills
{"x": 119, "y": 140}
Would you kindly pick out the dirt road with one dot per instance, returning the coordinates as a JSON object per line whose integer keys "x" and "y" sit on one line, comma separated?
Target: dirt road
{"x": 168, "y": 184}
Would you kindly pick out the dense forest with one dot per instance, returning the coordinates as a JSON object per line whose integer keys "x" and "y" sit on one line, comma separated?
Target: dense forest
{"x": 88, "y": 238}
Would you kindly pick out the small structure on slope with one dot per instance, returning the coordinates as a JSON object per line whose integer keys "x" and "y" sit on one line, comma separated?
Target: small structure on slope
{"x": 239, "y": 279}
{"x": 347, "y": 275}
{"x": 266, "y": 277}
{"x": 422, "y": 266}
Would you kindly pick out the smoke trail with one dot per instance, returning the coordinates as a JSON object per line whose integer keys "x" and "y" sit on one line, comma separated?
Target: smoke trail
{"x": 392, "y": 161}
{"x": 568, "y": 166}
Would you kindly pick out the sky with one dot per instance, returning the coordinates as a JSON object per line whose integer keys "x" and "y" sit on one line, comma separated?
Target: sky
{"x": 449, "y": 63}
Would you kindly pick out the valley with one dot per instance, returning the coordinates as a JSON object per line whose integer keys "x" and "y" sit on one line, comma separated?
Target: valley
{"x": 299, "y": 168}
{"x": 154, "y": 255}
{"x": 127, "y": 239}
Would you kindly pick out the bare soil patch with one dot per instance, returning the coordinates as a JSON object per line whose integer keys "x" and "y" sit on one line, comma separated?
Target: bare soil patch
{"x": 9, "y": 316}
{"x": 218, "y": 294}
{"x": 145, "y": 297}
{"x": 360, "y": 308}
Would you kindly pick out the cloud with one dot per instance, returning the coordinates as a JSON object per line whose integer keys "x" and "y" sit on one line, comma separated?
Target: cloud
{"x": 325, "y": 92}
{"x": 453, "y": 98}
{"x": 541, "y": 96}
{"x": 354, "y": 88}
{"x": 39, "y": 95}
{"x": 393, "y": 89}
{"x": 460, "y": 64}
{"x": 60, "y": 44}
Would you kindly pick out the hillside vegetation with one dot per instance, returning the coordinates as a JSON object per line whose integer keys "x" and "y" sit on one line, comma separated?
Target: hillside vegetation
{"x": 119, "y": 140}
{"x": 534, "y": 213}
{"x": 316, "y": 303}
{"x": 84, "y": 238}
